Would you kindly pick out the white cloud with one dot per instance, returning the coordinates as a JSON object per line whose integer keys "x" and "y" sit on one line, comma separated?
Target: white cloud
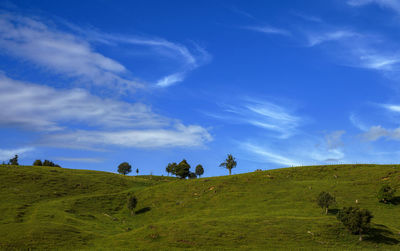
{"x": 179, "y": 136}
{"x": 64, "y": 53}
{"x": 46, "y": 109}
{"x": 133, "y": 125}
{"x": 334, "y": 139}
{"x": 375, "y": 133}
{"x": 73, "y": 55}
{"x": 262, "y": 114}
{"x": 319, "y": 38}
{"x": 6, "y": 154}
{"x": 270, "y": 157}
{"x": 391, "y": 4}
{"x": 268, "y": 30}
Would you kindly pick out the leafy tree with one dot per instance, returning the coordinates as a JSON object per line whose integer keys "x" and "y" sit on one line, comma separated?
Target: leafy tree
{"x": 325, "y": 200}
{"x": 192, "y": 175}
{"x": 14, "y": 161}
{"x": 182, "y": 170}
{"x": 386, "y": 194}
{"x": 171, "y": 168}
{"x": 38, "y": 162}
{"x": 356, "y": 220}
{"x": 199, "y": 170}
{"x": 124, "y": 168}
{"x": 229, "y": 163}
{"x": 137, "y": 171}
{"x": 132, "y": 202}
{"x": 49, "y": 163}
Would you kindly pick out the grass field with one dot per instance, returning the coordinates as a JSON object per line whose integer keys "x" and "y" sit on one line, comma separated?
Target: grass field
{"x": 49, "y": 208}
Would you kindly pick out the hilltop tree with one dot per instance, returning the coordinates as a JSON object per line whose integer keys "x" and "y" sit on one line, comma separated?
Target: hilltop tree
{"x": 137, "y": 171}
{"x": 132, "y": 202}
{"x": 229, "y": 163}
{"x": 170, "y": 168}
{"x": 356, "y": 220}
{"x": 325, "y": 200}
{"x": 38, "y": 162}
{"x": 386, "y": 194}
{"x": 199, "y": 170}
{"x": 124, "y": 168}
{"x": 49, "y": 163}
{"x": 14, "y": 161}
{"x": 182, "y": 170}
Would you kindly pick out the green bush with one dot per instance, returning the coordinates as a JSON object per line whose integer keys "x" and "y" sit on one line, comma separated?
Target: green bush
{"x": 386, "y": 194}
{"x": 356, "y": 220}
{"x": 325, "y": 200}
{"x": 38, "y": 162}
{"x": 199, "y": 170}
{"x": 132, "y": 202}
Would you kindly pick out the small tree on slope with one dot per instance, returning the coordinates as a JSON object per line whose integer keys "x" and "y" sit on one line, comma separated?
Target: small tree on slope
{"x": 356, "y": 220}
{"x": 325, "y": 200}
{"x": 386, "y": 194}
{"x": 132, "y": 202}
{"x": 229, "y": 163}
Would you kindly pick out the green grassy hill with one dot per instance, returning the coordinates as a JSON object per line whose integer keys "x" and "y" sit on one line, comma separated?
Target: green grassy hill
{"x": 48, "y": 208}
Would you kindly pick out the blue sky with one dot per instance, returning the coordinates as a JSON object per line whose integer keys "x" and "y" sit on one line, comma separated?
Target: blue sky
{"x": 275, "y": 83}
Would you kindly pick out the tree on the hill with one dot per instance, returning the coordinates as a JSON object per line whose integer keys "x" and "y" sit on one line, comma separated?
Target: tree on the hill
{"x": 192, "y": 175}
{"x": 356, "y": 220}
{"x": 386, "y": 194}
{"x": 49, "y": 163}
{"x": 325, "y": 200}
{"x": 14, "y": 161}
{"x": 199, "y": 170}
{"x": 182, "y": 170}
{"x": 132, "y": 202}
{"x": 229, "y": 163}
{"x": 124, "y": 168}
{"x": 137, "y": 171}
{"x": 38, "y": 162}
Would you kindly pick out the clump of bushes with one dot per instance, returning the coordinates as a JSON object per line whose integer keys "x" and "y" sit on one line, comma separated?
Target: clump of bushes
{"x": 182, "y": 170}
{"x": 46, "y": 162}
{"x": 386, "y": 194}
{"x": 356, "y": 220}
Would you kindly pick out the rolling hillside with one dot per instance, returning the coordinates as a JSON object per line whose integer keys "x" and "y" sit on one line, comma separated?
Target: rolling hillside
{"x": 47, "y": 208}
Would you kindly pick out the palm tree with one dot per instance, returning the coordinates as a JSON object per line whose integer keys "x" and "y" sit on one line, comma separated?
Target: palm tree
{"x": 229, "y": 163}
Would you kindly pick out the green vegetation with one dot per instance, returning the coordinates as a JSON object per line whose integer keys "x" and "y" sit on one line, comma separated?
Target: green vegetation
{"x": 229, "y": 163}
{"x": 199, "y": 170}
{"x": 386, "y": 194}
{"x": 356, "y": 220}
{"x": 37, "y": 162}
{"x": 66, "y": 209}
{"x": 325, "y": 200}
{"x": 124, "y": 168}
{"x": 14, "y": 161}
{"x": 132, "y": 202}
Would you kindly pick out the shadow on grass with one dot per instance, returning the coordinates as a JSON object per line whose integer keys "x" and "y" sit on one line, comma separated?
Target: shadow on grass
{"x": 395, "y": 200}
{"x": 381, "y": 234}
{"x": 333, "y": 211}
{"x": 143, "y": 210}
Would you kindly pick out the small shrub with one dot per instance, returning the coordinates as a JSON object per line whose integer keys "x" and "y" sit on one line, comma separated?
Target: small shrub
{"x": 14, "y": 161}
{"x": 386, "y": 194}
{"x": 356, "y": 220}
{"x": 325, "y": 200}
{"x": 132, "y": 202}
{"x": 199, "y": 170}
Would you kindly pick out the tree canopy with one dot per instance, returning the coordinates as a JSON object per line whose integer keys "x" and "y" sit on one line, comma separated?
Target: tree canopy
{"x": 229, "y": 163}
{"x": 124, "y": 168}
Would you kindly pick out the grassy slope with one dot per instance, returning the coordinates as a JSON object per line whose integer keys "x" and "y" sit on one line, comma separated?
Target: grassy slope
{"x": 52, "y": 207}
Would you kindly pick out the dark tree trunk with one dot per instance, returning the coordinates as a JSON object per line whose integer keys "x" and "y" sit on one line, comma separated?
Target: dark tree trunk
{"x": 230, "y": 171}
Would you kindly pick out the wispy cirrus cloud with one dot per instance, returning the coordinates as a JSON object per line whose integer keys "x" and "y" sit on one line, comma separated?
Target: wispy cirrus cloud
{"x": 74, "y": 54}
{"x": 6, "y": 154}
{"x": 268, "y": 30}
{"x": 262, "y": 114}
{"x": 111, "y": 122}
{"x": 391, "y": 4}
{"x": 87, "y": 160}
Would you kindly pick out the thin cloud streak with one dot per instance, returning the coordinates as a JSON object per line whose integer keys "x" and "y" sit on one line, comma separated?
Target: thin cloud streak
{"x": 268, "y": 30}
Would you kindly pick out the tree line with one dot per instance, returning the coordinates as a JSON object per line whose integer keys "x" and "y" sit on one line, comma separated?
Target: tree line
{"x": 182, "y": 170}
{"x": 14, "y": 162}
